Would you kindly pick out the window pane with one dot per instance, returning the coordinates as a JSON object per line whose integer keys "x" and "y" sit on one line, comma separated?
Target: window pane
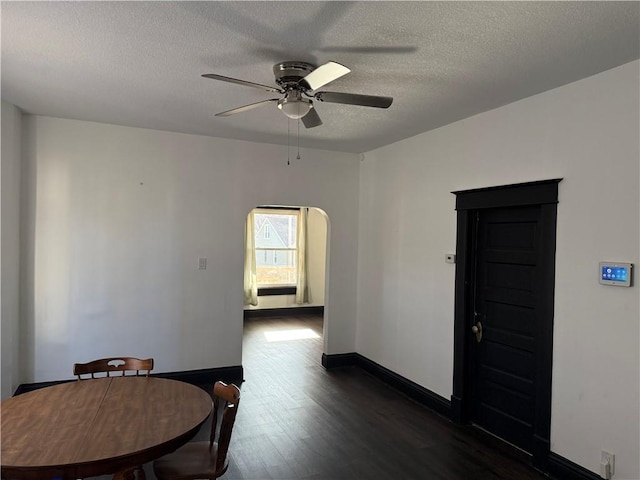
{"x": 275, "y": 230}
{"x": 276, "y": 267}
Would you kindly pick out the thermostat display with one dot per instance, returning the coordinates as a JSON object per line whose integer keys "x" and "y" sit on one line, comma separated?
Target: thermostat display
{"x": 618, "y": 274}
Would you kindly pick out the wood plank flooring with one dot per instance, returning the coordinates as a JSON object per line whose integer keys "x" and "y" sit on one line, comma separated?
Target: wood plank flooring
{"x": 298, "y": 421}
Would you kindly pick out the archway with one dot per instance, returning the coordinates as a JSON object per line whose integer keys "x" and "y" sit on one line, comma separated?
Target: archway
{"x": 275, "y": 232}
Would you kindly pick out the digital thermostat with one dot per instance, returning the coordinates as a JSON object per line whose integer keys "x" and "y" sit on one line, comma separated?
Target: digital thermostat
{"x": 618, "y": 274}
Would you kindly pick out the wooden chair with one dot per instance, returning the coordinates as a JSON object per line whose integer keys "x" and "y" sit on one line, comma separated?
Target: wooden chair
{"x": 205, "y": 460}
{"x": 107, "y": 366}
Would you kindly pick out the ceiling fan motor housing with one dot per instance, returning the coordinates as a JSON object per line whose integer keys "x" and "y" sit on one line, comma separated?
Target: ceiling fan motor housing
{"x": 294, "y": 106}
{"x": 289, "y": 74}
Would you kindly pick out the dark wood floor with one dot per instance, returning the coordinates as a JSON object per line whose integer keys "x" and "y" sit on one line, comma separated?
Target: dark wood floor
{"x": 298, "y": 421}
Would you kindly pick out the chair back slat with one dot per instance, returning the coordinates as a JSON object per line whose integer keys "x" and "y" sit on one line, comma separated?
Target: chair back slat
{"x": 105, "y": 367}
{"x": 226, "y": 398}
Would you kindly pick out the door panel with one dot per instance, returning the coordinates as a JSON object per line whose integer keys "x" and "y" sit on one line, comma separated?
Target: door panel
{"x": 508, "y": 276}
{"x": 512, "y": 382}
{"x": 505, "y": 358}
{"x": 507, "y": 400}
{"x": 513, "y": 236}
{"x": 505, "y": 302}
{"x": 507, "y": 427}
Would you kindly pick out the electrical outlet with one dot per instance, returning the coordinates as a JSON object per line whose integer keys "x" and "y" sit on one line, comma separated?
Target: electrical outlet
{"x": 607, "y": 464}
{"x": 202, "y": 263}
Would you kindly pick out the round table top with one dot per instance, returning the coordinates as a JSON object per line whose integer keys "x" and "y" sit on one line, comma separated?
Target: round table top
{"x": 98, "y": 426}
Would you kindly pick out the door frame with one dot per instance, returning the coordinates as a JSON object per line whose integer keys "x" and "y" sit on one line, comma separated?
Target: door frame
{"x": 545, "y": 194}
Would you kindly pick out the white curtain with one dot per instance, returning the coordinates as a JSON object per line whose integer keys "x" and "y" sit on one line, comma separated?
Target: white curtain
{"x": 250, "y": 286}
{"x": 302, "y": 289}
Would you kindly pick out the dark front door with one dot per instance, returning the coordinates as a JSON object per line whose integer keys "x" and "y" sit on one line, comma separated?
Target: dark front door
{"x": 505, "y": 276}
{"x": 506, "y": 314}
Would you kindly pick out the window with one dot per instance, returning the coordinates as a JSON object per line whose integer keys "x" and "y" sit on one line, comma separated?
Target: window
{"x": 276, "y": 247}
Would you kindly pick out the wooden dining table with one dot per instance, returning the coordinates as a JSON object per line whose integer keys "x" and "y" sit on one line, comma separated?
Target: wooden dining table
{"x": 99, "y": 426}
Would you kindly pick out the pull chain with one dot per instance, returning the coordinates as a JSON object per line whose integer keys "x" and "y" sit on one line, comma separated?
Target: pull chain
{"x": 298, "y": 157}
{"x": 288, "y": 136}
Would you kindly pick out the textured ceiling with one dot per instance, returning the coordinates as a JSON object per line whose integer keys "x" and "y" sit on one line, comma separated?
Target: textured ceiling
{"x": 139, "y": 63}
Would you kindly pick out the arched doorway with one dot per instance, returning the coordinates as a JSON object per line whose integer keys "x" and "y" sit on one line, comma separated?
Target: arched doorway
{"x": 283, "y": 322}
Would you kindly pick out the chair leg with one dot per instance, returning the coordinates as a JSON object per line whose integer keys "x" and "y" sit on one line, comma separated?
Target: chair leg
{"x": 140, "y": 475}
{"x": 136, "y": 473}
{"x": 125, "y": 475}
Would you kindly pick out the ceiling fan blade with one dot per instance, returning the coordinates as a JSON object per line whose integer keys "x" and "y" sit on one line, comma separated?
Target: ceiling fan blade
{"x": 354, "y": 99}
{"x": 242, "y": 82}
{"x": 324, "y": 74}
{"x": 244, "y": 108}
{"x": 311, "y": 119}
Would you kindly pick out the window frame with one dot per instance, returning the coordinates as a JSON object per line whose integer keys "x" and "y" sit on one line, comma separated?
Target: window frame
{"x": 270, "y": 289}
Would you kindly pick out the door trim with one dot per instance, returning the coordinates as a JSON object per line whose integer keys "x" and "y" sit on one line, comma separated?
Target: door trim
{"x": 545, "y": 194}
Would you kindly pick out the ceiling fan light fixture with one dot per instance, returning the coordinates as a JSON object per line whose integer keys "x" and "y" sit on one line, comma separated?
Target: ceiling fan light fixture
{"x": 295, "y": 107}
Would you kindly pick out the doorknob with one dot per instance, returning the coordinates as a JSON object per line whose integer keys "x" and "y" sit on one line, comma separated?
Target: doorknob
{"x": 477, "y": 329}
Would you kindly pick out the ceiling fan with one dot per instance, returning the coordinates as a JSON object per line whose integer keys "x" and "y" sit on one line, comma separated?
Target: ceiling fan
{"x": 298, "y": 82}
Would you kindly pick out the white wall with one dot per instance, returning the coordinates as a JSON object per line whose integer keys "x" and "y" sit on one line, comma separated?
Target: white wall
{"x": 10, "y": 255}
{"x": 316, "y": 252}
{"x": 587, "y": 133}
{"x": 120, "y": 216}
